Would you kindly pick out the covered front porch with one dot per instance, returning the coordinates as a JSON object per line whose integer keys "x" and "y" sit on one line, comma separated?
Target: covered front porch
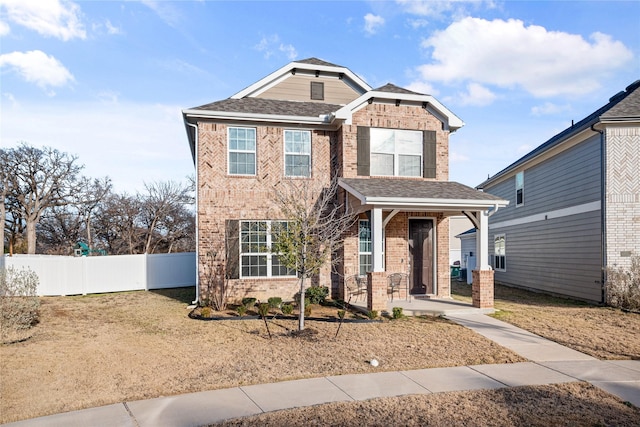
{"x": 409, "y": 237}
{"x": 425, "y": 307}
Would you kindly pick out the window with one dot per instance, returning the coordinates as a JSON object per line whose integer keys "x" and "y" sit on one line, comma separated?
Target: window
{"x": 242, "y": 151}
{"x": 297, "y": 153}
{"x": 396, "y": 152}
{"x": 364, "y": 246}
{"x": 519, "y": 188}
{"x": 317, "y": 91}
{"x": 499, "y": 252}
{"x": 256, "y": 259}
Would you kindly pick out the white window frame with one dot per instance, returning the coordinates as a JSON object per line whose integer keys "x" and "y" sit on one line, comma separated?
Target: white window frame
{"x": 293, "y": 153}
{"x": 239, "y": 151}
{"x": 397, "y": 152}
{"x": 520, "y": 186}
{"x": 362, "y": 270}
{"x": 500, "y": 239}
{"x": 261, "y": 253}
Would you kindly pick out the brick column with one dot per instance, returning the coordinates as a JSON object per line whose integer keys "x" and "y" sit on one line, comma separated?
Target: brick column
{"x": 377, "y": 291}
{"x": 482, "y": 288}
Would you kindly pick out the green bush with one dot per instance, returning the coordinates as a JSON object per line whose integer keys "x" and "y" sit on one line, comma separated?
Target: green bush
{"x": 205, "y": 312}
{"x": 275, "y": 302}
{"x": 241, "y": 310}
{"x": 317, "y": 294}
{"x": 373, "y": 314}
{"x": 248, "y": 302}
{"x": 287, "y": 308}
{"x": 397, "y": 313}
{"x": 307, "y": 310}
{"x": 623, "y": 286}
{"x": 19, "y": 303}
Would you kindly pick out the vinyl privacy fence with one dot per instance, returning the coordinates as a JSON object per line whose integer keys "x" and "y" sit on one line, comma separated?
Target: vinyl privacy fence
{"x": 68, "y": 275}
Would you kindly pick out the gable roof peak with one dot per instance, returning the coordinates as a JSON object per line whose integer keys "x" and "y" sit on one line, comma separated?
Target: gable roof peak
{"x": 391, "y": 88}
{"x": 316, "y": 61}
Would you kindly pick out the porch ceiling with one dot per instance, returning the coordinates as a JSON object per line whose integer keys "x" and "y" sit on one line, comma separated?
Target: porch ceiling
{"x": 408, "y": 194}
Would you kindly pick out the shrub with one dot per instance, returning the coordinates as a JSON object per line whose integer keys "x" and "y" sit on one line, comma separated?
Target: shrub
{"x": 317, "y": 294}
{"x": 275, "y": 302}
{"x": 397, "y": 313}
{"x": 372, "y": 314}
{"x": 248, "y": 302}
{"x": 307, "y": 310}
{"x": 18, "y": 300}
{"x": 623, "y": 286}
{"x": 287, "y": 308}
{"x": 205, "y": 312}
{"x": 241, "y": 310}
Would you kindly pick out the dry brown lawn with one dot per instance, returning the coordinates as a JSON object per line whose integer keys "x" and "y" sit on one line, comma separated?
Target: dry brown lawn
{"x": 100, "y": 349}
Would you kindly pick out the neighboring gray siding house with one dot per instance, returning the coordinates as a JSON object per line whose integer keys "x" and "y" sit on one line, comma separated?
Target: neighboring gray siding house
{"x": 574, "y": 205}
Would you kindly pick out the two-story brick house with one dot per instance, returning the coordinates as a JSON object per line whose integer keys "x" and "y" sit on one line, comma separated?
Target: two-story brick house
{"x": 313, "y": 120}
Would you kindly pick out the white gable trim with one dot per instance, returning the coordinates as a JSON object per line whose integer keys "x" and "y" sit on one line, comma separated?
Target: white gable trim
{"x": 283, "y": 73}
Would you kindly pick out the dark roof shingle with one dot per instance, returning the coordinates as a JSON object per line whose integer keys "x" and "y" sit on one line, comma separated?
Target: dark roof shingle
{"x": 391, "y": 88}
{"x": 414, "y": 189}
{"x": 270, "y": 107}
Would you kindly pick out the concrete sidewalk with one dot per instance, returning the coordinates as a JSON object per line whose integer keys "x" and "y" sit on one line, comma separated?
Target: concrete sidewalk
{"x": 550, "y": 364}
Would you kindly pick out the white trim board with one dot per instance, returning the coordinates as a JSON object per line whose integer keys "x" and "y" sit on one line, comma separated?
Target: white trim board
{"x": 559, "y": 213}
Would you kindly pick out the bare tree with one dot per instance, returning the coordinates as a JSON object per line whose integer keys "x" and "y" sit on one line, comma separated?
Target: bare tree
{"x": 41, "y": 179}
{"x": 162, "y": 203}
{"x": 315, "y": 226}
{"x": 5, "y": 173}
{"x": 117, "y": 225}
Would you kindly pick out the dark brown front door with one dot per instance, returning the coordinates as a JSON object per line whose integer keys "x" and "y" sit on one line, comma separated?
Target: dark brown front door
{"x": 421, "y": 252}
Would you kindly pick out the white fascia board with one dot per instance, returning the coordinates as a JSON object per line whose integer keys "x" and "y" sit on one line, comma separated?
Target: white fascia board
{"x": 284, "y": 72}
{"x": 456, "y": 204}
{"x": 223, "y": 115}
{"x": 346, "y": 112}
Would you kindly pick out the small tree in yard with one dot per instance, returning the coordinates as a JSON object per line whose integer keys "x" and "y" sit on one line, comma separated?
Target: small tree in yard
{"x": 623, "y": 286}
{"x": 314, "y": 229}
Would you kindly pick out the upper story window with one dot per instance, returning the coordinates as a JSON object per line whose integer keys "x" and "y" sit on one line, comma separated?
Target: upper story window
{"x": 317, "y": 91}
{"x": 396, "y": 152}
{"x": 242, "y": 151}
{"x": 519, "y": 188}
{"x": 297, "y": 153}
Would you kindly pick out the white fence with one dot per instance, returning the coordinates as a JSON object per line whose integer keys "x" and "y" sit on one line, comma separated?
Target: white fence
{"x": 67, "y": 275}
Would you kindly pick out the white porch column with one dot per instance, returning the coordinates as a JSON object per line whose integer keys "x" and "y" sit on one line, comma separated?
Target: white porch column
{"x": 377, "y": 242}
{"x": 482, "y": 240}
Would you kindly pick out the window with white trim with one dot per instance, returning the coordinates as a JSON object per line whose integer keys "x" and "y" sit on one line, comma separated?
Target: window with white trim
{"x": 364, "y": 246}
{"x": 396, "y": 152}
{"x": 499, "y": 252}
{"x": 297, "y": 153}
{"x": 256, "y": 258}
{"x": 519, "y": 188}
{"x": 242, "y": 151}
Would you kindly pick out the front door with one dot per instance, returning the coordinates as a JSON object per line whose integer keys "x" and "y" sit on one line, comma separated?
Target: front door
{"x": 421, "y": 256}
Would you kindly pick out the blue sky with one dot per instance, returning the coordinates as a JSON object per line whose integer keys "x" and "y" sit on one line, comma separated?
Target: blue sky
{"x": 106, "y": 80}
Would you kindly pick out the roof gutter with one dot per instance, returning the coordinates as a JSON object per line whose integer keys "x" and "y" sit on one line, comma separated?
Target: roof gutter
{"x": 223, "y": 115}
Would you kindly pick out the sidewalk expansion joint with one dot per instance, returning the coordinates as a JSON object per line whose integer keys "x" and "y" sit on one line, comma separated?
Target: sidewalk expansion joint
{"x": 133, "y": 417}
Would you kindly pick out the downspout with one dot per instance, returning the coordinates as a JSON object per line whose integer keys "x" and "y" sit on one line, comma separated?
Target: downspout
{"x": 603, "y": 213}
{"x": 195, "y": 151}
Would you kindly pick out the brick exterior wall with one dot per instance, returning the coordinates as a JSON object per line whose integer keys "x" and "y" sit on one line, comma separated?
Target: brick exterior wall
{"x": 482, "y": 288}
{"x": 223, "y": 197}
{"x": 622, "y": 195}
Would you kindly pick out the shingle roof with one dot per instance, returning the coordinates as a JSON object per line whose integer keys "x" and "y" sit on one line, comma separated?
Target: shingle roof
{"x": 270, "y": 107}
{"x": 316, "y": 61}
{"x": 629, "y": 106}
{"x": 390, "y": 87}
{"x": 414, "y": 189}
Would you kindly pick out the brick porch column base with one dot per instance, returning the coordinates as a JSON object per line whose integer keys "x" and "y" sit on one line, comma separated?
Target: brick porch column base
{"x": 377, "y": 291}
{"x": 482, "y": 288}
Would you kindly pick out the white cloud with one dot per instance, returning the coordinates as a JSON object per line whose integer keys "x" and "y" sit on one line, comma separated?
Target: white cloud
{"x": 4, "y": 28}
{"x": 165, "y": 11}
{"x": 372, "y": 23}
{"x": 50, "y": 18}
{"x": 476, "y": 95}
{"x": 418, "y": 23}
{"x": 423, "y": 87}
{"x": 438, "y": 8}
{"x": 549, "y": 108}
{"x": 37, "y": 67}
{"x": 509, "y": 54}
{"x": 112, "y": 29}
{"x": 290, "y": 51}
{"x": 455, "y": 157}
